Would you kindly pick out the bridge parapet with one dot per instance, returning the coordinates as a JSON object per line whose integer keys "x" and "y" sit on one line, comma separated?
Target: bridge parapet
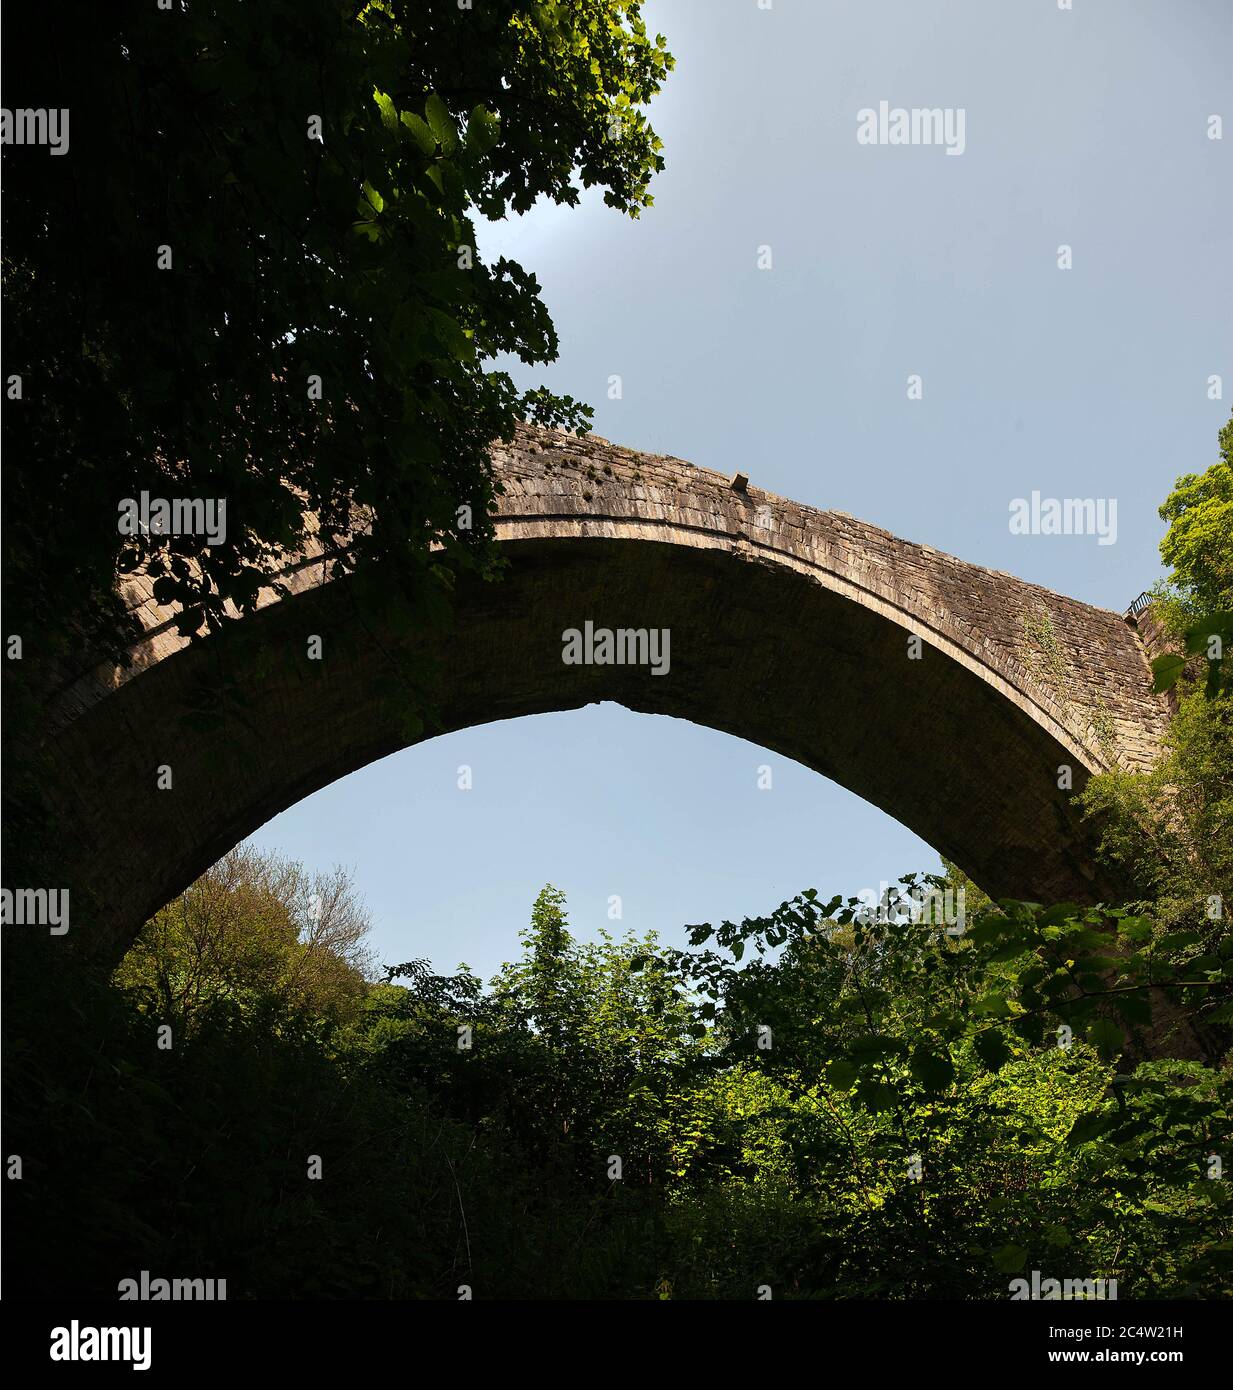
{"x": 1081, "y": 670}
{"x": 1081, "y": 667}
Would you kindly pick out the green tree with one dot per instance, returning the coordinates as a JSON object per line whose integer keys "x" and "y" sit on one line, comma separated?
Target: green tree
{"x": 254, "y": 932}
{"x": 1172, "y": 827}
{"x": 936, "y": 1113}
{"x": 913, "y": 1128}
{"x": 1198, "y": 545}
{"x": 551, "y": 1003}
{"x": 254, "y": 277}
{"x": 615, "y": 1031}
{"x": 1196, "y": 601}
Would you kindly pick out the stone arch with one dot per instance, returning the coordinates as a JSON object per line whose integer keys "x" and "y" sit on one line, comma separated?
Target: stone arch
{"x": 790, "y": 627}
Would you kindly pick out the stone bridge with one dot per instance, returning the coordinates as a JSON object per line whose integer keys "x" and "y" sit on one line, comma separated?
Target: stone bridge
{"x": 946, "y": 694}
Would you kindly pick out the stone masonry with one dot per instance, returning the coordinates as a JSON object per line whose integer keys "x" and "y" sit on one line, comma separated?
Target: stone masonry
{"x": 790, "y": 627}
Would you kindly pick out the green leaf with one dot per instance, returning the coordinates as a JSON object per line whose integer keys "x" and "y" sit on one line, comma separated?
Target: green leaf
{"x": 1106, "y": 1037}
{"x": 483, "y": 130}
{"x": 1134, "y": 1008}
{"x": 1059, "y": 913}
{"x": 1009, "y": 1258}
{"x": 441, "y": 123}
{"x": 389, "y": 115}
{"x": 1210, "y": 625}
{"x": 1134, "y": 1083}
{"x": 450, "y": 334}
{"x": 1091, "y": 1126}
{"x": 934, "y": 1070}
{"x": 876, "y": 1095}
{"x": 841, "y": 1074}
{"x": 1176, "y": 941}
{"x": 993, "y": 1005}
{"x": 424, "y": 137}
{"x": 873, "y": 1048}
{"x": 1136, "y": 928}
{"x": 992, "y": 1049}
{"x": 990, "y": 929}
{"x": 1167, "y": 669}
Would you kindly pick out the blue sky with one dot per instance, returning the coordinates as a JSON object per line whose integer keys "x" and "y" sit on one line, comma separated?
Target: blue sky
{"x": 1086, "y": 128}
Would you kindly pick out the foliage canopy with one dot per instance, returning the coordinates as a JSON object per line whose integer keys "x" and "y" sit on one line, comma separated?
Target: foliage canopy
{"x": 262, "y": 200}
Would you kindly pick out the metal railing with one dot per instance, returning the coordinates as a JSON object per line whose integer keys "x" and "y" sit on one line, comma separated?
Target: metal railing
{"x": 1137, "y": 607}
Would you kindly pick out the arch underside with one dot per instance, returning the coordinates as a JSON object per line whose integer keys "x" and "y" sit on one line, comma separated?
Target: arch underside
{"x": 757, "y": 650}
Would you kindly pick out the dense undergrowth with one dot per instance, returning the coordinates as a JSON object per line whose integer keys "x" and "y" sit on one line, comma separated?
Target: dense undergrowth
{"x": 866, "y": 1109}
